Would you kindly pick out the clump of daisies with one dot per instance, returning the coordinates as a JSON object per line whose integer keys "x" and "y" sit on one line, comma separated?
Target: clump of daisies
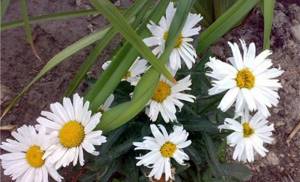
{"x": 183, "y": 50}
{"x": 69, "y": 129}
{"x": 249, "y": 136}
{"x": 251, "y": 84}
{"x": 60, "y": 138}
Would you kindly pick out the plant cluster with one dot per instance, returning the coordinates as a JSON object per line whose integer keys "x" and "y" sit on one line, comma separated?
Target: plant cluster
{"x": 160, "y": 111}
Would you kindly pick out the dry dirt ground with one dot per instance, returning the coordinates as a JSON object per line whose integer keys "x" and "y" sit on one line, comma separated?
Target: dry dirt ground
{"x": 19, "y": 66}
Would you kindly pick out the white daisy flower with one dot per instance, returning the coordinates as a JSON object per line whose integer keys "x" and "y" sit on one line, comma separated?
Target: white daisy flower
{"x": 248, "y": 80}
{"x": 183, "y": 50}
{"x": 248, "y": 136}
{"x": 71, "y": 126}
{"x": 167, "y": 96}
{"x": 24, "y": 161}
{"x": 134, "y": 73}
{"x": 105, "y": 107}
{"x": 163, "y": 147}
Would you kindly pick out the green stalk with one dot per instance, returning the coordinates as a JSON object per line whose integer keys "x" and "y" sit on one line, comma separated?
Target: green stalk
{"x": 51, "y": 17}
{"x": 268, "y": 11}
{"x": 224, "y": 23}
{"x": 4, "y": 6}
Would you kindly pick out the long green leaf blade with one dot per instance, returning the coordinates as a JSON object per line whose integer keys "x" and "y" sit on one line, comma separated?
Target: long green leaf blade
{"x": 57, "y": 59}
{"x": 268, "y": 11}
{"x": 119, "y": 22}
{"x": 24, "y": 12}
{"x": 51, "y": 17}
{"x": 27, "y": 27}
{"x": 4, "y": 6}
{"x": 224, "y": 23}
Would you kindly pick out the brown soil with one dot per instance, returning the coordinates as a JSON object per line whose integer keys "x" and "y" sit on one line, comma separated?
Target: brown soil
{"x": 19, "y": 66}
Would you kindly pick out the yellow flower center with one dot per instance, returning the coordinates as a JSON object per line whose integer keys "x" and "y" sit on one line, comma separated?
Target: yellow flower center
{"x": 162, "y": 91}
{"x": 34, "y": 156}
{"x": 247, "y": 130}
{"x": 71, "y": 134}
{"x": 245, "y": 79}
{"x": 168, "y": 149}
{"x": 179, "y": 40}
{"x": 127, "y": 75}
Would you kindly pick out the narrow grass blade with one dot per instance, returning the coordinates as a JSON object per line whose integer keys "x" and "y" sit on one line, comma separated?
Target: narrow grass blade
{"x": 27, "y": 27}
{"x": 116, "y": 116}
{"x": 268, "y": 11}
{"x": 57, "y": 59}
{"x": 224, "y": 23}
{"x": 4, "y": 6}
{"x": 119, "y": 22}
{"x": 51, "y": 17}
{"x": 101, "y": 44}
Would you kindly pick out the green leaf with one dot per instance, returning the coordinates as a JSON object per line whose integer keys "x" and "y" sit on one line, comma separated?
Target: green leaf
{"x": 4, "y": 6}
{"x": 120, "y": 24}
{"x": 57, "y": 59}
{"x": 131, "y": 170}
{"x": 238, "y": 171}
{"x": 220, "y": 6}
{"x": 213, "y": 159}
{"x": 91, "y": 59}
{"x": 24, "y": 12}
{"x": 122, "y": 113}
{"x": 114, "y": 166}
{"x": 51, "y": 17}
{"x": 224, "y": 23}
{"x": 112, "y": 137}
{"x": 194, "y": 155}
{"x": 268, "y": 11}
{"x": 200, "y": 124}
{"x": 205, "y": 8}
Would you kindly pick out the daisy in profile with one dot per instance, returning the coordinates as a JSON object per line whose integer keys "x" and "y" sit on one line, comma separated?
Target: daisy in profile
{"x": 106, "y": 105}
{"x": 248, "y": 80}
{"x": 24, "y": 161}
{"x": 183, "y": 50}
{"x": 134, "y": 73}
{"x": 167, "y": 96}
{"x": 248, "y": 136}
{"x": 163, "y": 147}
{"x": 71, "y": 126}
